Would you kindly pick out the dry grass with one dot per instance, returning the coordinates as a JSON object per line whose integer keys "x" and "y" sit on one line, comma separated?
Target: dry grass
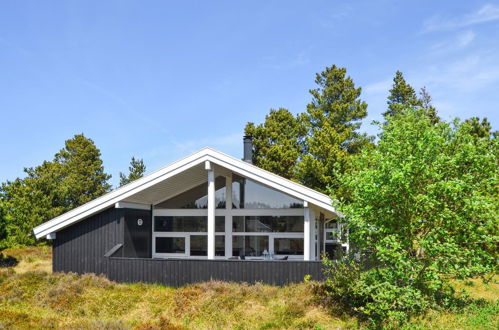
{"x": 480, "y": 290}
{"x": 88, "y": 301}
{"x": 31, "y": 258}
{"x": 32, "y": 297}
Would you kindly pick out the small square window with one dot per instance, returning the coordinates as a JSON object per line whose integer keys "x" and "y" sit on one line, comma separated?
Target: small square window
{"x": 170, "y": 245}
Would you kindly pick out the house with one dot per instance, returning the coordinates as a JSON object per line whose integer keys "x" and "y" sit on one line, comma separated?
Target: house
{"x": 206, "y": 216}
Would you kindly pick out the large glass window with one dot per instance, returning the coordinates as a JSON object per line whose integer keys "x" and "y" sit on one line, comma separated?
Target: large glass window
{"x": 170, "y": 245}
{"x": 289, "y": 224}
{"x": 184, "y": 232}
{"x": 197, "y": 197}
{"x": 219, "y": 245}
{"x": 186, "y": 224}
{"x": 248, "y": 194}
{"x": 199, "y": 245}
{"x": 249, "y": 246}
{"x": 288, "y": 246}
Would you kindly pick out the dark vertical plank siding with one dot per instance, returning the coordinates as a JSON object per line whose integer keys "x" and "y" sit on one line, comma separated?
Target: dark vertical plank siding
{"x": 81, "y": 248}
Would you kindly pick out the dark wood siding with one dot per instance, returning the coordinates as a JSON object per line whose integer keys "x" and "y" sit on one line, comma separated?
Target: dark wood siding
{"x": 81, "y": 248}
{"x": 179, "y": 272}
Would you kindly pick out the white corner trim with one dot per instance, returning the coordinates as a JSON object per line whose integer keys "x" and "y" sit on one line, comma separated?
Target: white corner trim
{"x": 306, "y": 233}
{"x": 51, "y": 236}
{"x": 128, "y": 205}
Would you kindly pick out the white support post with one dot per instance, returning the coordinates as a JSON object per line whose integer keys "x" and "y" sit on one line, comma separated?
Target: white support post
{"x": 211, "y": 211}
{"x": 228, "y": 216}
{"x": 313, "y": 235}
{"x": 306, "y": 231}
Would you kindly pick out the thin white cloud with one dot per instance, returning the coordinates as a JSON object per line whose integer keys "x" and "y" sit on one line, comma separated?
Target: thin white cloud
{"x": 181, "y": 148}
{"x": 454, "y": 44}
{"x": 465, "y": 39}
{"x": 379, "y": 87}
{"x": 341, "y": 12}
{"x": 124, "y": 106}
{"x": 467, "y": 74}
{"x": 487, "y": 13}
{"x": 451, "y": 81}
{"x": 218, "y": 142}
{"x": 300, "y": 59}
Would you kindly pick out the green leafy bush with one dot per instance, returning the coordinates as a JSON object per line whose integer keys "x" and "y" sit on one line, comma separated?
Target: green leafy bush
{"x": 425, "y": 206}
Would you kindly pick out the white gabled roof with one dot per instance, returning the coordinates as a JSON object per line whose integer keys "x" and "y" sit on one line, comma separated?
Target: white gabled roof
{"x": 207, "y": 154}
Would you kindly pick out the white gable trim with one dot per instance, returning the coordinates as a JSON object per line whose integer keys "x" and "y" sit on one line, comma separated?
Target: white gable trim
{"x": 118, "y": 195}
{"x": 207, "y": 154}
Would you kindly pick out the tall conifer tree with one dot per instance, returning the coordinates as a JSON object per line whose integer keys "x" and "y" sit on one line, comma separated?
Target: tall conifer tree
{"x": 333, "y": 119}
{"x": 84, "y": 178}
{"x": 278, "y": 142}
{"x": 402, "y": 95}
{"x": 481, "y": 128}
{"x": 136, "y": 170}
{"x": 427, "y": 104}
{"x": 74, "y": 177}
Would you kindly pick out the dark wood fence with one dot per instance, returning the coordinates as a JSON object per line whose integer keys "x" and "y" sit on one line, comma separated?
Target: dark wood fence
{"x": 179, "y": 272}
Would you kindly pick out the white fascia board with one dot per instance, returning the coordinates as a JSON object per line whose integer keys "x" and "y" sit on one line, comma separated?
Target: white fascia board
{"x": 272, "y": 180}
{"x": 128, "y": 205}
{"x": 207, "y": 154}
{"x": 119, "y": 194}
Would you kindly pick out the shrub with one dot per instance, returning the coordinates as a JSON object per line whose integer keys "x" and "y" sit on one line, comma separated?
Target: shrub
{"x": 424, "y": 204}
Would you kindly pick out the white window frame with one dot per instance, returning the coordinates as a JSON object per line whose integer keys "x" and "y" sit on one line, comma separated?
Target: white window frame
{"x": 290, "y": 256}
{"x": 338, "y": 230}
{"x": 187, "y": 237}
{"x": 231, "y": 213}
{"x": 272, "y": 236}
{"x": 187, "y": 246}
{"x": 228, "y": 213}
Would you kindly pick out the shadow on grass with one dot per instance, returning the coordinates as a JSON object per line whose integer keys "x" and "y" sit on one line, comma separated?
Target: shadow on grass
{"x": 7, "y": 261}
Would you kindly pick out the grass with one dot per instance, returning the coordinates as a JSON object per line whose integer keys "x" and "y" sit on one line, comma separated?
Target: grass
{"x": 481, "y": 313}
{"x": 33, "y": 297}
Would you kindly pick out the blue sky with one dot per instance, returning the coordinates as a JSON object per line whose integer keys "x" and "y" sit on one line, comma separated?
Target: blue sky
{"x": 161, "y": 79}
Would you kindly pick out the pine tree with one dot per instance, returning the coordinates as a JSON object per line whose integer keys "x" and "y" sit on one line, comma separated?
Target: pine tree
{"x": 3, "y": 227}
{"x": 402, "y": 95}
{"x": 278, "y": 142}
{"x": 481, "y": 128}
{"x": 426, "y": 103}
{"x": 84, "y": 178}
{"x": 333, "y": 119}
{"x": 74, "y": 177}
{"x": 136, "y": 170}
